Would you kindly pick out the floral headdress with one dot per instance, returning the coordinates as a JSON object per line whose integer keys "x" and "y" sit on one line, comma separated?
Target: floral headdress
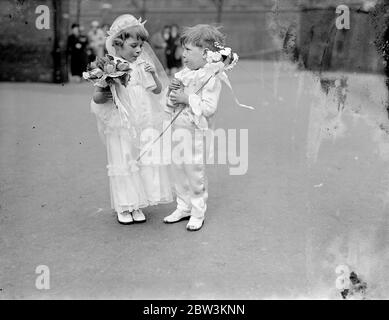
{"x": 126, "y": 21}
{"x": 222, "y": 54}
{"x": 225, "y": 60}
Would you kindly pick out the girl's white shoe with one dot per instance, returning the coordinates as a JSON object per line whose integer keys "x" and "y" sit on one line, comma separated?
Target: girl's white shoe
{"x": 195, "y": 224}
{"x": 138, "y": 216}
{"x": 125, "y": 217}
{"x": 177, "y": 216}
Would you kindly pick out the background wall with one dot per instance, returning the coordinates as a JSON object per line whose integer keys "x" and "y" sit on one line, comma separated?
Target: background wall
{"x": 245, "y": 22}
{"x": 27, "y": 53}
{"x": 324, "y": 47}
{"x": 257, "y": 29}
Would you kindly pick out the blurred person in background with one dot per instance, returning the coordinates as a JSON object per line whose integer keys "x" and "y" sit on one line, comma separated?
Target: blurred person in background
{"x": 96, "y": 38}
{"x": 173, "y": 51}
{"x": 77, "y": 51}
{"x": 159, "y": 43}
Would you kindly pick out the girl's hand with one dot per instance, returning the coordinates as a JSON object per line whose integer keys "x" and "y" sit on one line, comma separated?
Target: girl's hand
{"x": 102, "y": 95}
{"x": 107, "y": 95}
{"x": 175, "y": 84}
{"x": 178, "y": 97}
{"x": 149, "y": 68}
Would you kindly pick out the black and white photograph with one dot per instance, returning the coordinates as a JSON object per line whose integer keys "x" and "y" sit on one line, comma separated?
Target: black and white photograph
{"x": 207, "y": 151}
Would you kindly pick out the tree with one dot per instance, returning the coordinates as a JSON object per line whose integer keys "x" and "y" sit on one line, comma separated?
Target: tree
{"x": 61, "y": 27}
{"x": 78, "y": 14}
{"x": 219, "y": 8}
{"x": 140, "y": 6}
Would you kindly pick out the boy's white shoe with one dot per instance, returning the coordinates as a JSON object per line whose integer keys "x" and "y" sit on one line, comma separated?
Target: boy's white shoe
{"x": 138, "y": 216}
{"x": 177, "y": 216}
{"x": 195, "y": 223}
{"x": 125, "y": 217}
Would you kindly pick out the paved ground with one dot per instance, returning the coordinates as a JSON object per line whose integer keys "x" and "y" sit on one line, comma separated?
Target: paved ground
{"x": 314, "y": 197}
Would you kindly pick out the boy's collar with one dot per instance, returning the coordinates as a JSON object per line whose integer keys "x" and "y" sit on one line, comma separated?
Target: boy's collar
{"x": 200, "y": 67}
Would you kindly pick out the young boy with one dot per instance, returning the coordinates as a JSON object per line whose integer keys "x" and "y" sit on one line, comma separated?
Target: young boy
{"x": 197, "y": 91}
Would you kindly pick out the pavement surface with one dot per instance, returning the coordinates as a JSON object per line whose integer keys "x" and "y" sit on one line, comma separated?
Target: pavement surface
{"x": 314, "y": 197}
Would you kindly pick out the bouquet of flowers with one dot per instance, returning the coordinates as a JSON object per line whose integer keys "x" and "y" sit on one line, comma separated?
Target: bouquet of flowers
{"x": 223, "y": 59}
{"x": 107, "y": 70}
{"x": 223, "y": 54}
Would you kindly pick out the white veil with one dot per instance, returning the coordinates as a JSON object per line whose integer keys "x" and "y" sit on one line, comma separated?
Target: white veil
{"x": 122, "y": 100}
{"x": 126, "y": 21}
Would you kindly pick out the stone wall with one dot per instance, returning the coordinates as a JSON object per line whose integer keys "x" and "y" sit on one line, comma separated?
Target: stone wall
{"x": 27, "y": 53}
{"x": 245, "y": 22}
{"x": 324, "y": 47}
{"x": 256, "y": 29}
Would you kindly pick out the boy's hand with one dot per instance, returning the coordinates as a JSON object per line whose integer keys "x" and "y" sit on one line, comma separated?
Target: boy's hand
{"x": 175, "y": 84}
{"x": 149, "y": 68}
{"x": 179, "y": 97}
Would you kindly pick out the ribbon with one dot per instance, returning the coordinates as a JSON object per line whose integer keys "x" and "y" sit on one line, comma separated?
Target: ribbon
{"x": 123, "y": 113}
{"x": 225, "y": 79}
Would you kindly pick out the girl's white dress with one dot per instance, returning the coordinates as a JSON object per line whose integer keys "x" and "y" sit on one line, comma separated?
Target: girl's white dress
{"x": 133, "y": 184}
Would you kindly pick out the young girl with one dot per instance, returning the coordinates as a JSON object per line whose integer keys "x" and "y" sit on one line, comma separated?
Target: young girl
{"x": 133, "y": 185}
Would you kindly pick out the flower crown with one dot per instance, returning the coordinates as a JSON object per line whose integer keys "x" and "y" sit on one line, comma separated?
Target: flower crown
{"x": 221, "y": 54}
{"x": 127, "y": 22}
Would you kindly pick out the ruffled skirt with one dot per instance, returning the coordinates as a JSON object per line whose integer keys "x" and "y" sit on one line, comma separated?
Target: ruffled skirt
{"x": 133, "y": 185}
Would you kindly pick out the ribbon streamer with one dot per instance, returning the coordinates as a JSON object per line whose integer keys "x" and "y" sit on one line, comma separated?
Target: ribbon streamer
{"x": 225, "y": 79}
{"x": 123, "y": 113}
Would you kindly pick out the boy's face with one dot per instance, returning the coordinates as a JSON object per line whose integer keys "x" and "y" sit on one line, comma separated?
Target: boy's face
{"x": 76, "y": 31}
{"x": 193, "y": 57}
{"x": 130, "y": 50}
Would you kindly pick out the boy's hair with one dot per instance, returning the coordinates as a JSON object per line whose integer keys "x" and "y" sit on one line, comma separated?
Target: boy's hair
{"x": 135, "y": 32}
{"x": 203, "y": 36}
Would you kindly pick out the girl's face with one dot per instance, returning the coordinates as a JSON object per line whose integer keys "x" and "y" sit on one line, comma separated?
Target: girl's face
{"x": 193, "y": 56}
{"x": 166, "y": 33}
{"x": 166, "y": 30}
{"x": 130, "y": 50}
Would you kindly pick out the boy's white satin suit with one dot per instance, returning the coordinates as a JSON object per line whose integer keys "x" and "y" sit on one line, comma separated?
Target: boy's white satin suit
{"x": 190, "y": 179}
